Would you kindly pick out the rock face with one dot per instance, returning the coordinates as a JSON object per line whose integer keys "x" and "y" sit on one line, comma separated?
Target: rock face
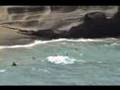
{"x": 11, "y": 37}
{"x": 50, "y": 22}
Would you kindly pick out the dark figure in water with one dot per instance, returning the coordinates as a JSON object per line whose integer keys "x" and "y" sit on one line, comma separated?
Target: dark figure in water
{"x": 14, "y": 64}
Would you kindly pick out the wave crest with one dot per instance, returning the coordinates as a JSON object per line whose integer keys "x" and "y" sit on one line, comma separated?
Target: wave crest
{"x": 61, "y": 59}
{"x": 38, "y": 42}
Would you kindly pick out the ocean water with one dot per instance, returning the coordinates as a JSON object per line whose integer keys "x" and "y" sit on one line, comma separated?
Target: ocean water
{"x": 62, "y": 62}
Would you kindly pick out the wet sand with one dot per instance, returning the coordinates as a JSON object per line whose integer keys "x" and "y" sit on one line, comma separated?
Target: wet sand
{"x": 12, "y": 37}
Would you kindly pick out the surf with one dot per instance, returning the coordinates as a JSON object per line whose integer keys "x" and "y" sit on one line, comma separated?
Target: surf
{"x": 60, "y": 59}
{"x": 38, "y": 42}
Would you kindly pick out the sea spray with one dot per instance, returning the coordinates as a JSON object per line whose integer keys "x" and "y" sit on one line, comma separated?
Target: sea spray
{"x": 61, "y": 59}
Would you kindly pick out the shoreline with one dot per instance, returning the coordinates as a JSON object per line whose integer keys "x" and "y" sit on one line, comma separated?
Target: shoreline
{"x": 20, "y": 29}
{"x": 11, "y": 38}
{"x": 39, "y": 42}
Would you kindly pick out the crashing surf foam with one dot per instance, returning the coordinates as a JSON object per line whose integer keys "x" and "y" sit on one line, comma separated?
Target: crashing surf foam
{"x": 2, "y": 70}
{"x": 38, "y": 42}
{"x": 61, "y": 59}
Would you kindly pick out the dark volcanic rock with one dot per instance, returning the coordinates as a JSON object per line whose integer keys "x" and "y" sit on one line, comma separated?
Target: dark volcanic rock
{"x": 105, "y": 28}
{"x": 50, "y": 22}
{"x": 97, "y": 17}
{"x": 95, "y": 25}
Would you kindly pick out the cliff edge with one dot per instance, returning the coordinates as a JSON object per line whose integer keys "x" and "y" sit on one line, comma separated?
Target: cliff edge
{"x": 49, "y": 22}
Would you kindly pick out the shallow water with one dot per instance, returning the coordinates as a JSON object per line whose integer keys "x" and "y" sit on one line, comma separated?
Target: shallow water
{"x": 62, "y": 62}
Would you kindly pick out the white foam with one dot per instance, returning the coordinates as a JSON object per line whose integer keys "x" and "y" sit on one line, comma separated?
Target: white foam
{"x": 2, "y": 70}
{"x": 38, "y": 42}
{"x": 114, "y": 44}
{"x": 100, "y": 62}
{"x": 61, "y": 59}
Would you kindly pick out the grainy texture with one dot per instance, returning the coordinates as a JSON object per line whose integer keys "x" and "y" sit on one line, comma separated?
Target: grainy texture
{"x": 49, "y": 17}
{"x": 11, "y": 37}
{"x": 56, "y": 21}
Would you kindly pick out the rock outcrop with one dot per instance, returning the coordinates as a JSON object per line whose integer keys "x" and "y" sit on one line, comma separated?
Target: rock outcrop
{"x": 48, "y": 22}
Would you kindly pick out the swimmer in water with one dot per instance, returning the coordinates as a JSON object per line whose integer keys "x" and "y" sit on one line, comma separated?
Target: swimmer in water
{"x": 14, "y": 64}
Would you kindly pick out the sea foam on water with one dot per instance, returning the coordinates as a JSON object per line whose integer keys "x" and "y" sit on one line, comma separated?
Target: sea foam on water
{"x": 38, "y": 42}
{"x": 2, "y": 70}
{"x": 61, "y": 59}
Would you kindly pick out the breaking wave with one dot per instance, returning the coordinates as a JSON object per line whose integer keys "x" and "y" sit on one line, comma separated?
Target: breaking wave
{"x": 3, "y": 70}
{"x": 38, "y": 42}
{"x": 61, "y": 59}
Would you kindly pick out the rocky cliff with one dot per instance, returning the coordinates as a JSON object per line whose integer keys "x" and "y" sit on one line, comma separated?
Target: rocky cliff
{"x": 50, "y": 22}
